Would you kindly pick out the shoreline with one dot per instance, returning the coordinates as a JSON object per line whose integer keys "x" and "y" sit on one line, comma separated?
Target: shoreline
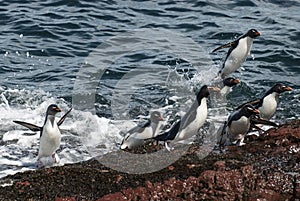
{"x": 267, "y": 167}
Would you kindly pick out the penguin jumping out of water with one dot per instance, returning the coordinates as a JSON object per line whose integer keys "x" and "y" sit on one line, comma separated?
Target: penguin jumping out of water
{"x": 190, "y": 123}
{"x": 50, "y": 135}
{"x": 136, "y": 136}
{"x": 238, "y": 52}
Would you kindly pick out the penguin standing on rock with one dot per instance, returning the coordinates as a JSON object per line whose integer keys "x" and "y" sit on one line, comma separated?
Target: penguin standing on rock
{"x": 190, "y": 123}
{"x": 238, "y": 52}
{"x": 238, "y": 124}
{"x": 137, "y": 135}
{"x": 50, "y": 135}
{"x": 267, "y": 105}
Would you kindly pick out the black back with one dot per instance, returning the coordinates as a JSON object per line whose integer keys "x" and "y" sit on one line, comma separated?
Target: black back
{"x": 186, "y": 119}
{"x": 246, "y": 111}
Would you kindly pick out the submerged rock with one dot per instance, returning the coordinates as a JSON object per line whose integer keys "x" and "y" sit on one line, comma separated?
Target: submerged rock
{"x": 266, "y": 168}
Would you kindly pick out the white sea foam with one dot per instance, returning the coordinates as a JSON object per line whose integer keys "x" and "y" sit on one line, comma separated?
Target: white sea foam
{"x": 84, "y": 134}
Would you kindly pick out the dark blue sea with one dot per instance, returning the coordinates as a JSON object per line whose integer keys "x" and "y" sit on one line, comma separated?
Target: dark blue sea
{"x": 115, "y": 61}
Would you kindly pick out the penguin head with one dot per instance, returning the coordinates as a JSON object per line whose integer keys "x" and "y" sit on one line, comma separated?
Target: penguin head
{"x": 203, "y": 93}
{"x": 280, "y": 88}
{"x": 156, "y": 117}
{"x": 249, "y": 110}
{"x": 230, "y": 81}
{"x": 53, "y": 109}
{"x": 253, "y": 33}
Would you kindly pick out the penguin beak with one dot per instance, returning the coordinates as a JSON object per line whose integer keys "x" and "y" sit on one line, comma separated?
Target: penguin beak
{"x": 236, "y": 81}
{"x": 216, "y": 89}
{"x": 256, "y": 111}
{"x": 288, "y": 89}
{"x": 57, "y": 109}
{"x": 161, "y": 118}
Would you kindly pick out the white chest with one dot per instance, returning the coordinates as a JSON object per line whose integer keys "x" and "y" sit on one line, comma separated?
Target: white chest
{"x": 50, "y": 139}
{"x": 192, "y": 129}
{"x": 269, "y": 106}
{"x": 239, "y": 127}
{"x": 238, "y": 55}
{"x": 225, "y": 90}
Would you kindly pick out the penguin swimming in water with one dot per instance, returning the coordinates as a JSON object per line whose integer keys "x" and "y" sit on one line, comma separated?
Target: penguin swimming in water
{"x": 136, "y": 136}
{"x": 190, "y": 123}
{"x": 267, "y": 105}
{"x": 238, "y": 52}
{"x": 50, "y": 135}
{"x": 228, "y": 83}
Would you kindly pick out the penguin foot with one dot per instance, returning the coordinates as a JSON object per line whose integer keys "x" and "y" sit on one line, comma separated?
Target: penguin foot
{"x": 168, "y": 147}
{"x": 55, "y": 158}
{"x": 240, "y": 142}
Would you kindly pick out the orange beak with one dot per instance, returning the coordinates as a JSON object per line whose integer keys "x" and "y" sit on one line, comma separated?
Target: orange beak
{"x": 237, "y": 81}
{"x": 288, "y": 89}
{"x": 58, "y": 109}
{"x": 161, "y": 118}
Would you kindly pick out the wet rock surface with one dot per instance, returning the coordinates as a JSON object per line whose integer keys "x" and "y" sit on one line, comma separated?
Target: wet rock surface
{"x": 267, "y": 167}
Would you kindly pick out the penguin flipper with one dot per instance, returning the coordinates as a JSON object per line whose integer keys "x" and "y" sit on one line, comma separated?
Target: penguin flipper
{"x": 63, "y": 118}
{"x": 257, "y": 120}
{"x": 169, "y": 135}
{"x": 253, "y": 102}
{"x": 222, "y": 136}
{"x": 233, "y": 43}
{"x": 32, "y": 127}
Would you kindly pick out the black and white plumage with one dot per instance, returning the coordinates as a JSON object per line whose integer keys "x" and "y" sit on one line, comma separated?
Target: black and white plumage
{"x": 228, "y": 83}
{"x": 238, "y": 123}
{"x": 136, "y": 136}
{"x": 190, "y": 123}
{"x": 238, "y": 52}
{"x": 50, "y": 135}
{"x": 267, "y": 105}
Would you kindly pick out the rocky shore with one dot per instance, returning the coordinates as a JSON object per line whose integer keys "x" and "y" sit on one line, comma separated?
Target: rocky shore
{"x": 266, "y": 168}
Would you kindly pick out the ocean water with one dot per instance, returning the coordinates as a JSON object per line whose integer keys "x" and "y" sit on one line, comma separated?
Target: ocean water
{"x": 115, "y": 61}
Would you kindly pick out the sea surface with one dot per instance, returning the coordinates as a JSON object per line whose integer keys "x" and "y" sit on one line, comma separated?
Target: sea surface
{"x": 115, "y": 61}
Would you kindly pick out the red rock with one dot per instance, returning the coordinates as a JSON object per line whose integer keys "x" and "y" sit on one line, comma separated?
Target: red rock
{"x": 114, "y": 196}
{"x": 66, "y": 199}
{"x": 266, "y": 168}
